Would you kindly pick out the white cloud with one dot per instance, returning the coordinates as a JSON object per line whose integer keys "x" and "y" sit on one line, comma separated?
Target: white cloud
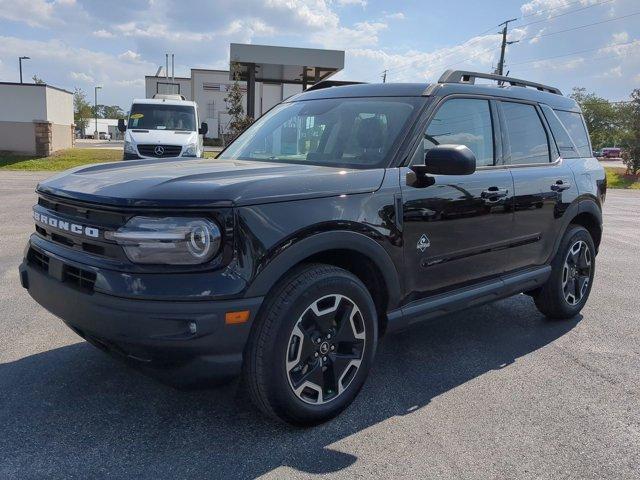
{"x": 549, "y": 8}
{"x": 620, "y": 37}
{"x": 615, "y": 72}
{"x": 362, "y": 3}
{"x": 363, "y": 34}
{"x": 38, "y": 13}
{"x": 395, "y": 16}
{"x": 102, "y": 33}
{"x": 129, "y": 56}
{"x": 82, "y": 77}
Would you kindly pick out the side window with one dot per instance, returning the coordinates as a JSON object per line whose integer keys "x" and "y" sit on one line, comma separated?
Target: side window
{"x": 460, "y": 121}
{"x": 574, "y": 124}
{"x": 560, "y": 134}
{"x": 525, "y": 133}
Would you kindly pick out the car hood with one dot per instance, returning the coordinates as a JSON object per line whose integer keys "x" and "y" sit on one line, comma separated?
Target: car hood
{"x": 206, "y": 182}
{"x": 164, "y": 137}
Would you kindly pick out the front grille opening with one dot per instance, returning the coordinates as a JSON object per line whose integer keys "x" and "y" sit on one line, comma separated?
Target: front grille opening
{"x": 61, "y": 239}
{"x": 91, "y": 248}
{"x": 41, "y": 230}
{"x": 82, "y": 279}
{"x": 164, "y": 152}
{"x": 38, "y": 260}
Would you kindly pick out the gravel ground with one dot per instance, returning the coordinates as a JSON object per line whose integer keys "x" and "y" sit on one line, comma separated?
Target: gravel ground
{"x": 494, "y": 392}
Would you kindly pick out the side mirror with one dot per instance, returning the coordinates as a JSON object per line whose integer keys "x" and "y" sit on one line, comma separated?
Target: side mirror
{"x": 447, "y": 160}
{"x": 204, "y": 128}
{"x": 121, "y": 125}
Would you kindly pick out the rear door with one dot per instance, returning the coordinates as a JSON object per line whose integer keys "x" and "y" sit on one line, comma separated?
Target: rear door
{"x": 544, "y": 183}
{"x": 456, "y": 228}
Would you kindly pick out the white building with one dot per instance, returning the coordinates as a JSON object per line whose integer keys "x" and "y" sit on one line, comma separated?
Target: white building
{"x": 275, "y": 73}
{"x": 35, "y": 118}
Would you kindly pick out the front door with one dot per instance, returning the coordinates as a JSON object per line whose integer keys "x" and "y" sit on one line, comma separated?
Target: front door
{"x": 457, "y": 229}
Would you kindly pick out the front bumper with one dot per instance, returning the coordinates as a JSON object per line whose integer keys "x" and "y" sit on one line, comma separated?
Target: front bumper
{"x": 181, "y": 342}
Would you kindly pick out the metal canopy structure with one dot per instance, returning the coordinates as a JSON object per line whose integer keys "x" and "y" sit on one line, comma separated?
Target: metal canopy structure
{"x": 265, "y": 63}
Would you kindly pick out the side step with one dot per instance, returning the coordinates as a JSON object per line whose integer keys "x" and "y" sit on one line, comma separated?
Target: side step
{"x": 438, "y": 305}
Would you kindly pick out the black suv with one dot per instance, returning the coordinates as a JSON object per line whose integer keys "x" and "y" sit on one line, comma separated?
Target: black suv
{"x": 343, "y": 213}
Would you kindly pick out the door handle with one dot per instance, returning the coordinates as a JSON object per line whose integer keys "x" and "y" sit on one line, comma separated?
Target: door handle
{"x": 560, "y": 186}
{"x": 493, "y": 193}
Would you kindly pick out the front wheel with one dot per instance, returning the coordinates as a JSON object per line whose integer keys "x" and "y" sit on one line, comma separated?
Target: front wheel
{"x": 568, "y": 287}
{"x": 312, "y": 347}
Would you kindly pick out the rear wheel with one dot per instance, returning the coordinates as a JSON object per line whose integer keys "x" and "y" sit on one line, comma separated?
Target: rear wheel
{"x": 312, "y": 347}
{"x": 573, "y": 268}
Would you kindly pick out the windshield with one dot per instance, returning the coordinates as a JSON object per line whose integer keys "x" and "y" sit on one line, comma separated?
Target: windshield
{"x": 342, "y": 132}
{"x": 148, "y": 116}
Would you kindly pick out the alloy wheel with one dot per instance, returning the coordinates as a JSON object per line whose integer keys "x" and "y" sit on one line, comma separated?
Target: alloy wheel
{"x": 325, "y": 349}
{"x": 576, "y": 272}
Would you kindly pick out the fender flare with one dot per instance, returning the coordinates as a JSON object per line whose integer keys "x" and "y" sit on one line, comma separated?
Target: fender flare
{"x": 581, "y": 205}
{"x": 321, "y": 242}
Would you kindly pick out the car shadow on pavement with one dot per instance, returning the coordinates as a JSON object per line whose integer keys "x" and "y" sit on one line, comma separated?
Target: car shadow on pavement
{"x": 75, "y": 411}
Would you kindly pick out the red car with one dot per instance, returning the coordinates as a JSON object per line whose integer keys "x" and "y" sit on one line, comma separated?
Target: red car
{"x": 611, "y": 152}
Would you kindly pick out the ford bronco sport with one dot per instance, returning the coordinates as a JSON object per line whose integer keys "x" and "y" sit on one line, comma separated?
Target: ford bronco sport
{"x": 344, "y": 213}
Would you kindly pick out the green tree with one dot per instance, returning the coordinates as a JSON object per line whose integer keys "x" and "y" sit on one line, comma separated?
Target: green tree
{"x": 606, "y": 124}
{"x": 632, "y": 160}
{"x": 37, "y": 80}
{"x": 234, "y": 98}
{"x": 112, "y": 111}
{"x": 82, "y": 110}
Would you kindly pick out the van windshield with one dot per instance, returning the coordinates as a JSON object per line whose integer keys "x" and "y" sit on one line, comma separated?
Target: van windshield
{"x": 340, "y": 132}
{"x": 149, "y": 116}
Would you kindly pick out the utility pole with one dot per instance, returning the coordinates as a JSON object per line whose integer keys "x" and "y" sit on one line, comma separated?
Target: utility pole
{"x": 20, "y": 62}
{"x": 95, "y": 110}
{"x": 503, "y": 47}
{"x": 384, "y": 76}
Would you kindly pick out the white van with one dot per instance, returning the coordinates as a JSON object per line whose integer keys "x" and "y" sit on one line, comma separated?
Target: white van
{"x": 161, "y": 127}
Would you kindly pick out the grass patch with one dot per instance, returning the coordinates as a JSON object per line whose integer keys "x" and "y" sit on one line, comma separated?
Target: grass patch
{"x": 60, "y": 160}
{"x": 616, "y": 178}
{"x": 64, "y": 159}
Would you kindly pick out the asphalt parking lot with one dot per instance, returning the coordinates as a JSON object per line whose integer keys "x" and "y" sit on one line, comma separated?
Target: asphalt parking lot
{"x": 494, "y": 392}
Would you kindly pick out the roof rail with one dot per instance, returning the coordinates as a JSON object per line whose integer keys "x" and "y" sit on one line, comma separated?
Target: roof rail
{"x": 463, "y": 76}
{"x": 330, "y": 83}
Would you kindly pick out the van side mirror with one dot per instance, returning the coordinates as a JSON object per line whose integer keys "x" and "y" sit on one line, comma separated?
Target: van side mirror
{"x": 204, "y": 128}
{"x": 447, "y": 160}
{"x": 121, "y": 125}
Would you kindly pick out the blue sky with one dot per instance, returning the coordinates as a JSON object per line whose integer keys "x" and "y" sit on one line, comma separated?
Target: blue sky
{"x": 82, "y": 43}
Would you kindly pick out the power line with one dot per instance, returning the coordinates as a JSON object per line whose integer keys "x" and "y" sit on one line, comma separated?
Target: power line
{"x": 565, "y": 13}
{"x": 575, "y": 53}
{"x": 584, "y": 26}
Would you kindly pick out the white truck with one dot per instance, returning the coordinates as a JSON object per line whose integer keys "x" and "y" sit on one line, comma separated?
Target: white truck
{"x": 162, "y": 127}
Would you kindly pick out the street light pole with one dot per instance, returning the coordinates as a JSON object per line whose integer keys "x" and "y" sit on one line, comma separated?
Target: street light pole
{"x": 95, "y": 110}
{"x": 20, "y": 62}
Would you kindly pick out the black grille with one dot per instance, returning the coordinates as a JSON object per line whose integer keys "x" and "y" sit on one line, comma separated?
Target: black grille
{"x": 167, "y": 150}
{"x": 82, "y": 279}
{"x": 38, "y": 260}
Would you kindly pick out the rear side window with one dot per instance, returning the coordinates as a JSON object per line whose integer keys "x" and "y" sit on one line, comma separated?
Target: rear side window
{"x": 525, "y": 133}
{"x": 560, "y": 134}
{"x": 574, "y": 124}
{"x": 460, "y": 121}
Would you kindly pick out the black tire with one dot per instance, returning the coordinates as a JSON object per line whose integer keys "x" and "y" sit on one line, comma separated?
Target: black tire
{"x": 277, "y": 341}
{"x": 551, "y": 299}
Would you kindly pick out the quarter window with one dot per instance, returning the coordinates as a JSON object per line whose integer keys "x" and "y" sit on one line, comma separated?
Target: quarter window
{"x": 460, "y": 121}
{"x": 565, "y": 145}
{"x": 525, "y": 133}
{"x": 574, "y": 124}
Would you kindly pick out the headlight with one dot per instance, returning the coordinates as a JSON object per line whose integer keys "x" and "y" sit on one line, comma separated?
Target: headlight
{"x": 130, "y": 148}
{"x": 190, "y": 150}
{"x": 168, "y": 240}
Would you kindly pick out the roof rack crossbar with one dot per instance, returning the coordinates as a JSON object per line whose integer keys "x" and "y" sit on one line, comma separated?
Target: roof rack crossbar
{"x": 463, "y": 76}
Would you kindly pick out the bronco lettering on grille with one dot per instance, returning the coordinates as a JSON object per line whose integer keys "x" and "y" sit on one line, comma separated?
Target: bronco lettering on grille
{"x": 75, "y": 228}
